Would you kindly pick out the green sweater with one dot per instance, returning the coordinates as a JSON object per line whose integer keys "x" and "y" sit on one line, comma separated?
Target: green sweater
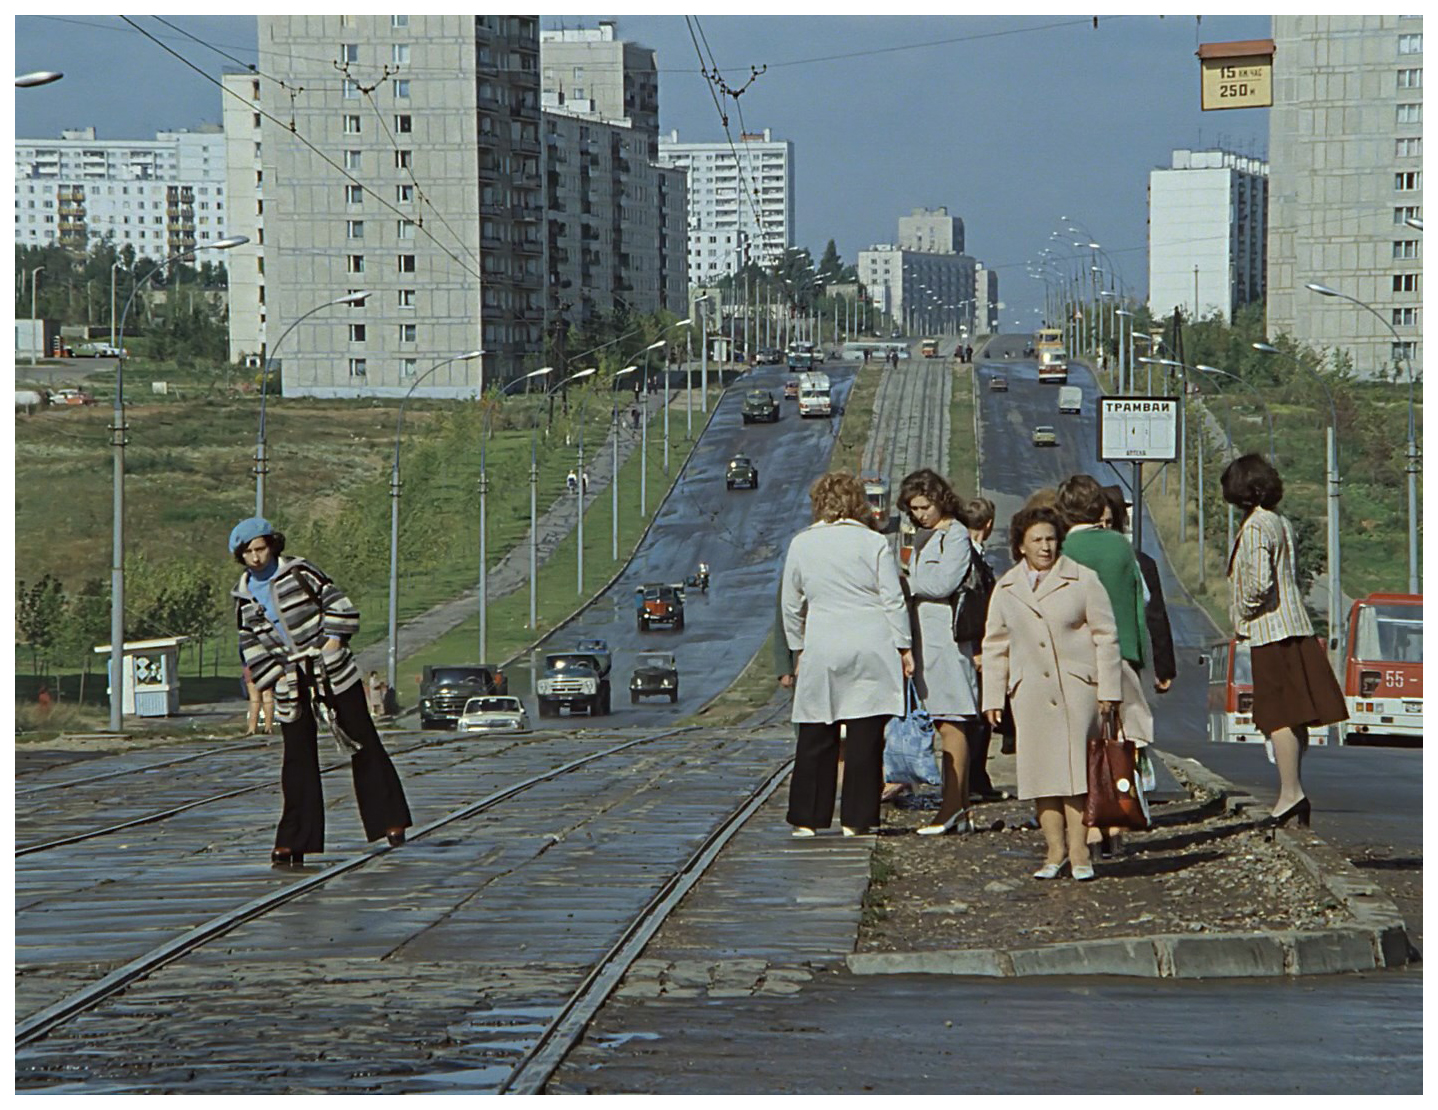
{"x": 1110, "y": 556}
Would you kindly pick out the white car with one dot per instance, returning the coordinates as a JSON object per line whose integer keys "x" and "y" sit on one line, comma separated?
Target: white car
{"x": 494, "y": 713}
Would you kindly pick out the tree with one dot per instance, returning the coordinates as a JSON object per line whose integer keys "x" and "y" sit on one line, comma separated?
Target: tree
{"x": 86, "y": 625}
{"x": 831, "y": 270}
{"x": 39, "y": 612}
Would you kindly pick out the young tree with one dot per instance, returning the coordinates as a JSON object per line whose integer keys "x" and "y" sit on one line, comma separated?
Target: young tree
{"x": 39, "y": 611}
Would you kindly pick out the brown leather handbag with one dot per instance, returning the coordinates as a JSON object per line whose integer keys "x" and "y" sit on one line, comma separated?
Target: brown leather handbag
{"x": 1114, "y": 798}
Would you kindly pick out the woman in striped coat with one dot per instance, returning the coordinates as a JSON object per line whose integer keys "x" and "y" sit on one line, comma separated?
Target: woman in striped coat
{"x": 294, "y": 628}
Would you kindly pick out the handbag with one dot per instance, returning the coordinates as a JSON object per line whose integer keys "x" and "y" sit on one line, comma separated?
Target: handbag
{"x": 909, "y": 744}
{"x": 1115, "y": 798}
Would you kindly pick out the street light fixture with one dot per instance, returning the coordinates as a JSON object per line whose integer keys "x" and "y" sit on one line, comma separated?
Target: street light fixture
{"x": 644, "y": 435}
{"x": 579, "y": 483}
{"x": 39, "y": 77}
{"x": 117, "y": 439}
{"x": 614, "y": 459}
{"x": 1399, "y": 351}
{"x": 34, "y": 342}
{"x": 261, "y": 461}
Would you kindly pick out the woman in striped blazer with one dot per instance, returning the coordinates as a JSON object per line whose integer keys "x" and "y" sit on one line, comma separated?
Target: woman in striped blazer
{"x": 294, "y": 628}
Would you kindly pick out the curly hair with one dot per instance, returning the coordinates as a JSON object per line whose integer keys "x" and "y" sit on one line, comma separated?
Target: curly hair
{"x": 930, "y": 484}
{"x": 1026, "y": 518}
{"x": 838, "y": 495}
{"x": 276, "y": 540}
{"x": 1045, "y": 496}
{"x": 1080, "y": 499}
{"x": 1249, "y": 481}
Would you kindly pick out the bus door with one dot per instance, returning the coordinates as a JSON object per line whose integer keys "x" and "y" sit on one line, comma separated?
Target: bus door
{"x": 1230, "y": 695}
{"x": 1383, "y": 669}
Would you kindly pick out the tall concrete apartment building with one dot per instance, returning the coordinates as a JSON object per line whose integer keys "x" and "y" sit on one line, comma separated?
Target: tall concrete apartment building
{"x": 931, "y": 231}
{"x": 244, "y": 189}
{"x": 404, "y": 158}
{"x": 160, "y": 196}
{"x": 617, "y": 80}
{"x": 986, "y": 300}
{"x": 1345, "y": 174}
{"x": 925, "y": 279}
{"x": 741, "y": 201}
{"x": 1207, "y": 233}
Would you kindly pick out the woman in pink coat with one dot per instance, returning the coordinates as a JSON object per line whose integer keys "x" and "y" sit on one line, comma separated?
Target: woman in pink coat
{"x": 1051, "y": 646}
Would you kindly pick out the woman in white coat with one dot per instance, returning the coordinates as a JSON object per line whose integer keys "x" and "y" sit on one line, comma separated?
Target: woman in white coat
{"x": 1051, "y": 645}
{"x": 846, "y": 621}
{"x": 943, "y": 670}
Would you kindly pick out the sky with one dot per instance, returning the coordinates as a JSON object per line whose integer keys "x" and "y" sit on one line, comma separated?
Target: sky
{"x": 1012, "y": 122}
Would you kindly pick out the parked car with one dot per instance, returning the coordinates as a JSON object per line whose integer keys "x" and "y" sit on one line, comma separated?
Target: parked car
{"x": 791, "y": 389}
{"x": 998, "y": 384}
{"x": 494, "y": 714}
{"x": 71, "y": 396}
{"x": 759, "y": 405}
{"x": 741, "y": 472}
{"x": 1045, "y": 436}
{"x": 96, "y": 350}
{"x": 655, "y": 675}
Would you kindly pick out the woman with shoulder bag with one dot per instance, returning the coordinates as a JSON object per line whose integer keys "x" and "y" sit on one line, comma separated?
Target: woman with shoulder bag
{"x": 294, "y": 628}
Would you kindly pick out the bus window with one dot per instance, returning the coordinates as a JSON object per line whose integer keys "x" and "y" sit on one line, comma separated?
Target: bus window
{"x": 1242, "y": 666}
{"x": 1389, "y": 633}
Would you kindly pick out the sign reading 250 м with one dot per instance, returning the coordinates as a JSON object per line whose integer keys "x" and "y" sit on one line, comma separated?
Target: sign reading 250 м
{"x": 1237, "y": 74}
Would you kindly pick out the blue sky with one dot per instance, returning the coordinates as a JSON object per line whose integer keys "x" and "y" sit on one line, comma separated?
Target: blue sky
{"x": 1010, "y": 121}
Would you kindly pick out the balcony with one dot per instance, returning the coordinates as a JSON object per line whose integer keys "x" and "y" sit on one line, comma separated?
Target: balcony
{"x": 527, "y": 213}
{"x": 530, "y": 246}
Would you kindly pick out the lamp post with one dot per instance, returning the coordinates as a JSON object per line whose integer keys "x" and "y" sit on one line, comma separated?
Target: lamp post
{"x": 534, "y": 509}
{"x": 261, "y": 461}
{"x": 1182, "y": 443}
{"x": 703, "y": 299}
{"x": 114, "y": 342}
{"x": 579, "y": 484}
{"x": 614, "y": 464}
{"x": 34, "y": 342}
{"x": 1399, "y": 350}
{"x": 39, "y": 77}
{"x": 1335, "y": 582}
{"x": 117, "y": 439}
{"x": 644, "y": 436}
{"x": 391, "y": 660}
{"x": 684, "y": 323}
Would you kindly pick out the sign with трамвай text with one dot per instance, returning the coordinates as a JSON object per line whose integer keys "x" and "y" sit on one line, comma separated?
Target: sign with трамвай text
{"x": 1236, "y": 74}
{"x": 1137, "y": 429}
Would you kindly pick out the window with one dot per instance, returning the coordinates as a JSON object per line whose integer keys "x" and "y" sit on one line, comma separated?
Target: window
{"x": 399, "y": 21}
{"x": 1410, "y": 212}
{"x": 354, "y": 229}
{"x": 401, "y": 88}
{"x": 1408, "y": 182}
{"x": 405, "y": 228}
{"x": 349, "y": 52}
{"x": 257, "y": 119}
{"x": 1404, "y": 351}
{"x": 1410, "y": 78}
{"x": 351, "y": 293}
{"x": 407, "y": 333}
{"x": 352, "y": 125}
{"x": 1405, "y": 283}
{"x": 407, "y": 367}
{"x": 399, "y": 53}
{"x": 350, "y": 89}
{"x": 1405, "y": 317}
{"x": 1408, "y": 148}
{"x": 403, "y": 159}
{"x": 354, "y": 194}
{"x": 403, "y": 125}
{"x": 404, "y": 194}
{"x": 405, "y": 263}
{"x": 354, "y": 263}
{"x": 352, "y": 159}
{"x": 357, "y": 332}
{"x": 1405, "y": 248}
{"x": 1410, "y": 44}
{"x": 1410, "y": 113}
{"x": 406, "y": 298}
{"x": 357, "y": 368}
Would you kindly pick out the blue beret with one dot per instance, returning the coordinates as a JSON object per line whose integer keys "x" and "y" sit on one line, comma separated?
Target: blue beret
{"x": 248, "y": 530}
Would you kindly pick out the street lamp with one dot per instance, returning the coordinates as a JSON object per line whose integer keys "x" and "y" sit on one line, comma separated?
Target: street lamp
{"x": 684, "y": 323}
{"x": 394, "y": 486}
{"x": 614, "y": 459}
{"x": 1399, "y": 350}
{"x": 644, "y": 436}
{"x": 117, "y": 439}
{"x": 543, "y": 371}
{"x": 39, "y": 77}
{"x": 261, "y": 462}
{"x": 579, "y": 484}
{"x": 33, "y": 341}
{"x": 703, "y": 351}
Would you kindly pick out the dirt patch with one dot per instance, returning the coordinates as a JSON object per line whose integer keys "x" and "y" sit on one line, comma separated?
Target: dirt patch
{"x": 1198, "y": 870}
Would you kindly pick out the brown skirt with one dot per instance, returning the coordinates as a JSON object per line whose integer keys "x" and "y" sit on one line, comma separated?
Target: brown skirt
{"x": 1294, "y": 687}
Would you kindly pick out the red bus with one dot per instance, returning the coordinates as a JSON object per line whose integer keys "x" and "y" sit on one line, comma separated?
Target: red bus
{"x": 1230, "y": 698}
{"x": 1383, "y": 667}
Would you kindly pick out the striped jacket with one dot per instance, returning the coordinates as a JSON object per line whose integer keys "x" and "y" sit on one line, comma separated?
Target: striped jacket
{"x": 1265, "y": 603}
{"x": 272, "y": 662}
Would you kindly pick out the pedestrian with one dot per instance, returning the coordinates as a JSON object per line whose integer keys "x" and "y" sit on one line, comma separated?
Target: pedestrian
{"x": 571, "y": 481}
{"x": 374, "y": 692}
{"x": 1155, "y": 612}
{"x": 261, "y": 702}
{"x": 634, "y": 417}
{"x": 294, "y": 629}
{"x": 969, "y": 353}
{"x": 1293, "y": 686}
{"x": 44, "y": 702}
{"x": 584, "y": 482}
{"x": 1051, "y": 646}
{"x": 944, "y": 673}
{"x": 866, "y": 356}
{"x": 846, "y": 621}
{"x": 978, "y": 516}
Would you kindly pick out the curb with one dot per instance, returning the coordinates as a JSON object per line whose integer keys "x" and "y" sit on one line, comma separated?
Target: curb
{"x": 1377, "y": 937}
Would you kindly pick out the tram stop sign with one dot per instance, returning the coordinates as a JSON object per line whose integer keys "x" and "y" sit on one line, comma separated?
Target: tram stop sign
{"x": 1138, "y": 429}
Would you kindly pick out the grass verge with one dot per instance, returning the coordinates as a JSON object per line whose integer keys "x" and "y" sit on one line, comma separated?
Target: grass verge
{"x": 963, "y": 448}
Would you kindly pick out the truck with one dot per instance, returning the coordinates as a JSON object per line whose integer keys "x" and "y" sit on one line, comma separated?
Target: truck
{"x": 660, "y": 604}
{"x": 759, "y": 405}
{"x": 929, "y": 348}
{"x": 815, "y": 395}
{"x": 801, "y": 357}
{"x": 1070, "y": 398}
{"x": 444, "y": 690}
{"x": 575, "y": 680}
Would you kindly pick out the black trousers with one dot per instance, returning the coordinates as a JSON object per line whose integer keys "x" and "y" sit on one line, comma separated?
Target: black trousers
{"x": 378, "y": 790}
{"x": 816, "y": 774}
{"x": 979, "y": 732}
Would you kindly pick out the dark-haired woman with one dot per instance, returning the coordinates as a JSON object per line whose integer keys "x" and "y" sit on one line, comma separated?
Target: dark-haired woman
{"x": 1293, "y": 686}
{"x": 294, "y": 628}
{"x": 944, "y": 672}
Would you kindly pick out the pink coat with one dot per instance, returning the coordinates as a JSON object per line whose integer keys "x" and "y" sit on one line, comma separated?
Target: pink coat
{"x": 1054, "y": 653}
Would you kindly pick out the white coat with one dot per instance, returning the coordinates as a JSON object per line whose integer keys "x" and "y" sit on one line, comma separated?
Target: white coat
{"x": 844, "y": 609}
{"x": 944, "y": 671}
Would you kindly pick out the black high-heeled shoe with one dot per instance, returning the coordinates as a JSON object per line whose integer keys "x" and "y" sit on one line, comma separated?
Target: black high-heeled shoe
{"x": 395, "y": 837}
{"x": 1301, "y": 810}
{"x": 283, "y": 857}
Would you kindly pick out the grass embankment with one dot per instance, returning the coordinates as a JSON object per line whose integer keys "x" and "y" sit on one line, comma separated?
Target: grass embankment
{"x": 963, "y": 449}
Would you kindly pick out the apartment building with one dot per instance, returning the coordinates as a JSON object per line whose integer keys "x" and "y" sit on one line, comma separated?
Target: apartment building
{"x": 928, "y": 292}
{"x": 617, "y": 80}
{"x": 244, "y": 177}
{"x": 741, "y": 201}
{"x": 1345, "y": 177}
{"x": 1207, "y": 233}
{"x": 931, "y": 231}
{"x": 161, "y": 197}
{"x": 986, "y": 301}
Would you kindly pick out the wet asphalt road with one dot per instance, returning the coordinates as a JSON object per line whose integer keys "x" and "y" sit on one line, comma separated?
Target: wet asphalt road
{"x": 742, "y": 534}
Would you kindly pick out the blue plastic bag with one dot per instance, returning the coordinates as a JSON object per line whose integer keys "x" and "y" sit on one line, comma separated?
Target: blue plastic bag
{"x": 909, "y": 744}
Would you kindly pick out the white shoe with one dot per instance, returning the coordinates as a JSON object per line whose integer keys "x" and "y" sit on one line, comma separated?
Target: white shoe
{"x": 856, "y": 832}
{"x": 1083, "y": 872}
{"x": 1051, "y": 870}
{"x": 802, "y": 831}
{"x": 960, "y": 822}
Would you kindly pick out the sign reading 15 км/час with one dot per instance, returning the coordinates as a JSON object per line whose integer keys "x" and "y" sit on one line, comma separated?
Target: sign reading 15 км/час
{"x": 1236, "y": 74}
{"x": 1138, "y": 429}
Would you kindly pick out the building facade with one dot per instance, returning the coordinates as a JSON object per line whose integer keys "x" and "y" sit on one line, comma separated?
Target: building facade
{"x": 244, "y": 176}
{"x": 927, "y": 292}
{"x": 1346, "y": 174}
{"x": 741, "y": 201}
{"x": 986, "y": 301}
{"x": 931, "y": 231}
{"x": 617, "y": 80}
{"x": 161, "y": 197}
{"x": 1207, "y": 233}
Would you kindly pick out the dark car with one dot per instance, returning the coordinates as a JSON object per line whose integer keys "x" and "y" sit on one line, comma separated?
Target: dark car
{"x": 655, "y": 675}
{"x": 759, "y": 405}
{"x": 998, "y": 384}
{"x": 444, "y": 691}
{"x": 741, "y": 472}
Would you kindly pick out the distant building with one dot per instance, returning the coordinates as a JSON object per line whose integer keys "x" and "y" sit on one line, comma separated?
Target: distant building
{"x": 1346, "y": 172}
{"x": 244, "y": 176}
{"x": 160, "y": 196}
{"x": 596, "y": 74}
{"x": 986, "y": 301}
{"x": 926, "y": 292}
{"x": 931, "y": 231}
{"x": 741, "y": 201}
{"x": 1207, "y": 218}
